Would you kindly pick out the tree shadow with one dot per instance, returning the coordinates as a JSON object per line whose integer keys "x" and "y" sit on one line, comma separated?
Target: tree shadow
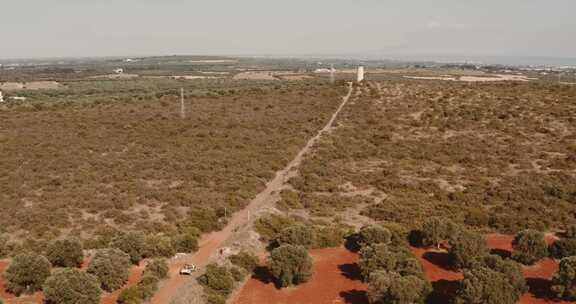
{"x": 351, "y": 271}
{"x": 415, "y": 238}
{"x": 540, "y": 288}
{"x": 505, "y": 254}
{"x": 440, "y": 259}
{"x": 352, "y": 243}
{"x": 443, "y": 292}
{"x": 262, "y": 274}
{"x": 354, "y": 296}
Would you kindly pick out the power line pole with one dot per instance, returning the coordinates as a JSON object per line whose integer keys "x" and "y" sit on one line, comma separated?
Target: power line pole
{"x": 182, "y": 105}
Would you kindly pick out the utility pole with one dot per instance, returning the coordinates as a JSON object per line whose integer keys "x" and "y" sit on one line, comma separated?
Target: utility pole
{"x": 182, "y": 105}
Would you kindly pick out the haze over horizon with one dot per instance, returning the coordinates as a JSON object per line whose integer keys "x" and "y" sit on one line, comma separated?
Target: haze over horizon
{"x": 412, "y": 29}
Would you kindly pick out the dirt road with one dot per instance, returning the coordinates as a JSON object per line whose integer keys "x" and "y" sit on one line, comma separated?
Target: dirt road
{"x": 210, "y": 243}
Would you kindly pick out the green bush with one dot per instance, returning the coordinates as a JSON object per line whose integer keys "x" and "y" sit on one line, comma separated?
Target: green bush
{"x": 148, "y": 285}
{"x": 482, "y": 285}
{"x": 245, "y": 260}
{"x": 372, "y": 235}
{"x": 213, "y": 297}
{"x": 270, "y": 225}
{"x": 329, "y": 236}
{"x": 290, "y": 265}
{"x": 299, "y": 235}
{"x": 158, "y": 246}
{"x": 132, "y": 243}
{"x": 185, "y": 242}
{"x": 217, "y": 278}
{"x": 563, "y": 248}
{"x": 131, "y": 295}
{"x": 510, "y": 269}
{"x": 391, "y": 287}
{"x": 529, "y": 247}
{"x": 27, "y": 273}
{"x": 158, "y": 268}
{"x": 65, "y": 253}
{"x": 111, "y": 267}
{"x": 390, "y": 259}
{"x": 238, "y": 273}
{"x": 436, "y": 230}
{"x": 466, "y": 247}
{"x": 564, "y": 281}
{"x": 72, "y": 286}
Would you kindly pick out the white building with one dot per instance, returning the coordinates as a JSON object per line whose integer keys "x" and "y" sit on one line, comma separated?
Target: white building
{"x": 1, "y": 96}
{"x": 119, "y": 71}
{"x": 360, "y": 76}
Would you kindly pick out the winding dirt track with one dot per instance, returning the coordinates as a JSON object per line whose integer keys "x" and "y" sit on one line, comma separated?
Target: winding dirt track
{"x": 210, "y": 243}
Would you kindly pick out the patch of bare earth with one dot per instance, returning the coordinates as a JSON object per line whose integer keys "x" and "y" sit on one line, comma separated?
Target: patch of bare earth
{"x": 336, "y": 280}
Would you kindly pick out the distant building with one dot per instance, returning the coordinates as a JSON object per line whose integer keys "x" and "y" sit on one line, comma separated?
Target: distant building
{"x": 360, "y": 76}
{"x": 119, "y": 71}
{"x": 1, "y": 96}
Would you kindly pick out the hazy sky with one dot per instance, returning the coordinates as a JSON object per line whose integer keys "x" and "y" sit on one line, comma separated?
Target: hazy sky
{"x": 58, "y": 28}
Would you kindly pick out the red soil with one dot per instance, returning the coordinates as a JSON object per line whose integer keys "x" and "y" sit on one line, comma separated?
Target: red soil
{"x": 336, "y": 280}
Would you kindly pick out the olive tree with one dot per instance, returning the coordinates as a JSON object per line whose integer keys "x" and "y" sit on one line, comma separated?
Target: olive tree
{"x": 65, "y": 253}
{"x": 158, "y": 268}
{"x": 132, "y": 243}
{"x": 27, "y": 273}
{"x": 383, "y": 257}
{"x": 510, "y": 269}
{"x": 393, "y": 288}
{"x": 372, "y": 235}
{"x": 563, "y": 248}
{"x": 111, "y": 267}
{"x": 482, "y": 285}
{"x": 436, "y": 230}
{"x": 72, "y": 286}
{"x": 564, "y": 281}
{"x": 218, "y": 279}
{"x": 290, "y": 265}
{"x": 529, "y": 247}
{"x": 466, "y": 247}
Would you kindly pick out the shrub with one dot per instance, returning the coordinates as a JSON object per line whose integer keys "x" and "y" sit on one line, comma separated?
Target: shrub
{"x": 508, "y": 268}
{"x": 132, "y": 243}
{"x": 290, "y": 265}
{"x": 72, "y": 286}
{"x": 436, "y": 230}
{"x": 238, "y": 273}
{"x": 391, "y": 287}
{"x": 158, "y": 268}
{"x": 27, "y": 273}
{"x": 465, "y": 247}
{"x": 111, "y": 267}
{"x": 564, "y": 282}
{"x": 563, "y": 248}
{"x": 148, "y": 285}
{"x": 217, "y": 278}
{"x": 245, "y": 260}
{"x": 185, "y": 242}
{"x": 529, "y": 247}
{"x": 570, "y": 231}
{"x": 270, "y": 225}
{"x": 391, "y": 259}
{"x": 485, "y": 286}
{"x": 372, "y": 235}
{"x": 131, "y": 295}
{"x": 65, "y": 253}
{"x": 300, "y": 235}
{"x": 213, "y": 297}
{"x": 158, "y": 246}
{"x": 329, "y": 236}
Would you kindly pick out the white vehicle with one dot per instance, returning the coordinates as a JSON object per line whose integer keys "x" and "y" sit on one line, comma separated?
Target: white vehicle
{"x": 188, "y": 269}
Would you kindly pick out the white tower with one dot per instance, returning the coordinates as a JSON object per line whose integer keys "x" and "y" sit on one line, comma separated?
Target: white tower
{"x": 1, "y": 97}
{"x": 360, "y": 76}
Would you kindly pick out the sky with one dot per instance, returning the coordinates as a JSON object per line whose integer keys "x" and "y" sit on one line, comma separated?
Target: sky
{"x": 83, "y": 28}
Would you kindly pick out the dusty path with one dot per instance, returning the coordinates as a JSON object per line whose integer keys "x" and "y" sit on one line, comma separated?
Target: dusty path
{"x": 210, "y": 243}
